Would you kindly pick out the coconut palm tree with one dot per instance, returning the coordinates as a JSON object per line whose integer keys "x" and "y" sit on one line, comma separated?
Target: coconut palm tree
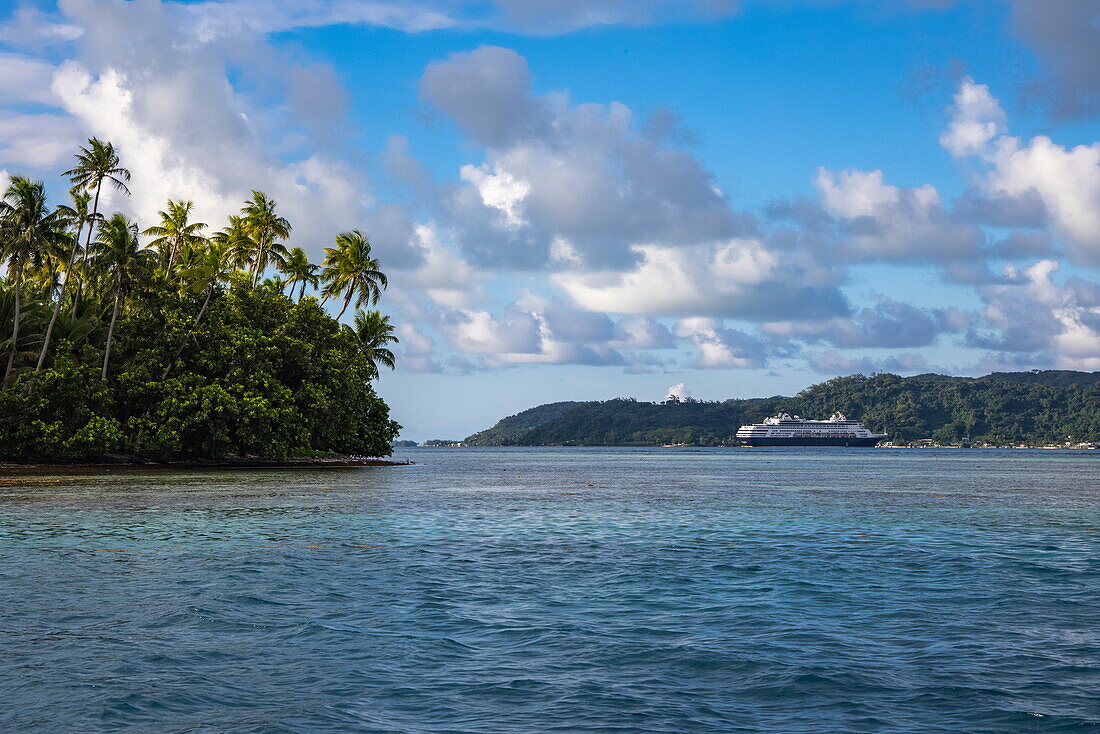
{"x": 299, "y": 270}
{"x": 265, "y": 227}
{"x": 28, "y": 227}
{"x": 239, "y": 247}
{"x": 77, "y": 216}
{"x": 118, "y": 251}
{"x": 374, "y": 333}
{"x": 351, "y": 272}
{"x": 205, "y": 269}
{"x": 96, "y": 163}
{"x": 175, "y": 232}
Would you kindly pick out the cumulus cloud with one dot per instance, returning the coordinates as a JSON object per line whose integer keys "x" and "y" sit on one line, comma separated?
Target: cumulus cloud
{"x": 443, "y": 275}
{"x": 146, "y": 97}
{"x": 1033, "y": 314}
{"x": 720, "y": 347}
{"x": 997, "y": 209}
{"x": 417, "y": 351}
{"x": 615, "y": 205}
{"x": 488, "y": 93}
{"x": 537, "y": 330}
{"x": 889, "y": 323}
{"x": 976, "y": 118}
{"x": 641, "y": 332}
{"x": 678, "y": 391}
{"x": 521, "y": 334}
{"x": 479, "y": 332}
{"x": 1066, "y": 179}
{"x": 885, "y": 222}
{"x": 585, "y": 179}
{"x": 739, "y": 278}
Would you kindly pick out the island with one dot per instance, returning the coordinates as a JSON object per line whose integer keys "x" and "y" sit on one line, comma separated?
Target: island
{"x": 1036, "y": 408}
{"x": 194, "y": 346}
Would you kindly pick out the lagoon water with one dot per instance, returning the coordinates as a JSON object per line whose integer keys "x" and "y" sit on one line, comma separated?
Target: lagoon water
{"x": 560, "y": 590}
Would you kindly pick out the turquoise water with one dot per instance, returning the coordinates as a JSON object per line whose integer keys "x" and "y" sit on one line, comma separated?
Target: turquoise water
{"x": 573, "y": 590}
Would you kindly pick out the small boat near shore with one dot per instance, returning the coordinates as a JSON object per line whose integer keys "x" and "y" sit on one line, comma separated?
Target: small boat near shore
{"x": 791, "y": 430}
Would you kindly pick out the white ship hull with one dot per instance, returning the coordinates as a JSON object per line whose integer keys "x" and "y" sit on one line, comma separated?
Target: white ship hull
{"x": 787, "y": 430}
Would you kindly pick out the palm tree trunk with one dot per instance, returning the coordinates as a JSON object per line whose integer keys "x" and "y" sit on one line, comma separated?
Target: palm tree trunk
{"x": 347, "y": 301}
{"x": 15, "y": 322}
{"x": 60, "y": 298}
{"x": 195, "y": 325}
{"x": 87, "y": 244}
{"x": 172, "y": 258}
{"x": 256, "y": 265}
{"x": 111, "y": 332}
{"x": 302, "y": 292}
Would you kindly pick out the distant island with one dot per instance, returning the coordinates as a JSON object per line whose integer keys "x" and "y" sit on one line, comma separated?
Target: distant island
{"x": 1050, "y": 407}
{"x": 191, "y": 346}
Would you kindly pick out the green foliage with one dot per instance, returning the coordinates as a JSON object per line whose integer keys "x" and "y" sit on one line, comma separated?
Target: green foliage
{"x": 160, "y": 350}
{"x": 65, "y": 412}
{"x": 1031, "y": 407}
{"x": 260, "y": 376}
{"x": 509, "y": 431}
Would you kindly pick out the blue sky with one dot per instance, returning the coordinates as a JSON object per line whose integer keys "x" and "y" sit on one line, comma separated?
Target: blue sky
{"x": 596, "y": 198}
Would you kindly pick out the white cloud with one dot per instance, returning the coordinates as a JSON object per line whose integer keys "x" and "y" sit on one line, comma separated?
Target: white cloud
{"x": 564, "y": 182}
{"x": 417, "y": 350}
{"x": 499, "y": 190}
{"x": 1067, "y": 179}
{"x": 37, "y": 141}
{"x": 641, "y": 332}
{"x": 885, "y": 222}
{"x": 479, "y": 332}
{"x": 185, "y": 131}
{"x": 678, "y": 391}
{"x": 720, "y": 347}
{"x": 24, "y": 79}
{"x": 889, "y": 323}
{"x": 976, "y": 118}
{"x": 444, "y": 276}
{"x": 737, "y": 278}
{"x": 1032, "y": 313}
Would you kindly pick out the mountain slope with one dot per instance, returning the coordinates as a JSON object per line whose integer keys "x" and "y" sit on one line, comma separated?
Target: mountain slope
{"x": 1035, "y": 407}
{"x": 510, "y": 431}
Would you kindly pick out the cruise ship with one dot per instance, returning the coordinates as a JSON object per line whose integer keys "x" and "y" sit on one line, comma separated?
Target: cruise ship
{"x": 790, "y": 430}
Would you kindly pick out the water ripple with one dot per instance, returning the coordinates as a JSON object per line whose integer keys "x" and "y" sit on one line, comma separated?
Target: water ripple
{"x": 561, "y": 591}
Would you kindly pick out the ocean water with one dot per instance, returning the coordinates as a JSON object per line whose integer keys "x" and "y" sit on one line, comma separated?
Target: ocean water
{"x": 568, "y": 590}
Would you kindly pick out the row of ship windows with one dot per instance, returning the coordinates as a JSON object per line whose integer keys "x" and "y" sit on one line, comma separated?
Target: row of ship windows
{"x": 795, "y": 433}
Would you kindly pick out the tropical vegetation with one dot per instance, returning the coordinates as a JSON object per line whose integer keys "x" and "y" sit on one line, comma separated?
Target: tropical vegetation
{"x": 178, "y": 342}
{"x": 1034, "y": 408}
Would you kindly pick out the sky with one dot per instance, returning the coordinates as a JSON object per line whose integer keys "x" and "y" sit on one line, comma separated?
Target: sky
{"x": 587, "y": 199}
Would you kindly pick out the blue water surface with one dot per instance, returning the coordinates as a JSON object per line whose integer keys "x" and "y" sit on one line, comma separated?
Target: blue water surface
{"x": 560, "y": 590}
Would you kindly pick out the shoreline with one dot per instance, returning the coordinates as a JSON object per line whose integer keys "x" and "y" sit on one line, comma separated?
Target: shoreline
{"x": 97, "y": 467}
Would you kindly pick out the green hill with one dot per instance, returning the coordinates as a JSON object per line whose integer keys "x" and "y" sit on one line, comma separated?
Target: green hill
{"x": 1035, "y": 407}
{"x": 511, "y": 430}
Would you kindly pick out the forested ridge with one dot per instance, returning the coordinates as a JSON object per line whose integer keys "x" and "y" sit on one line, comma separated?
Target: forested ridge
{"x": 177, "y": 342}
{"x": 1040, "y": 407}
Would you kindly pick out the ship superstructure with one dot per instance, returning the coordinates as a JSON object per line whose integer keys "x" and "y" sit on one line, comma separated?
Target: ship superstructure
{"x": 790, "y": 430}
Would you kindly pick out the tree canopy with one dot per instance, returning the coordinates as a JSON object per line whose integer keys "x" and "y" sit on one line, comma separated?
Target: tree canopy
{"x": 177, "y": 347}
{"x": 1003, "y": 408}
